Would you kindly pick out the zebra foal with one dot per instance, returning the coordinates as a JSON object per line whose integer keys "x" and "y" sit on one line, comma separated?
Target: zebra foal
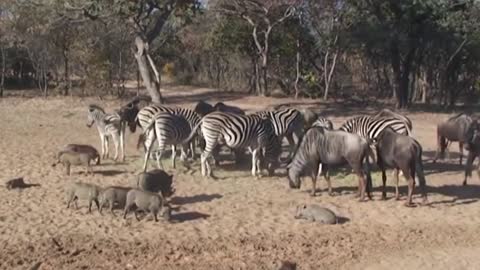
{"x": 108, "y": 125}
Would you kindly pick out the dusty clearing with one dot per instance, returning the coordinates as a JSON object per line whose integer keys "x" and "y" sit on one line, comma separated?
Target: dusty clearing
{"x": 236, "y": 222}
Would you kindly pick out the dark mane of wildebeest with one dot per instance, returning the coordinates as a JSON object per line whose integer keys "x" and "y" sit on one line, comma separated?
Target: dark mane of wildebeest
{"x": 472, "y": 140}
{"x": 387, "y": 113}
{"x": 221, "y": 107}
{"x": 404, "y": 153}
{"x": 330, "y": 148}
{"x": 203, "y": 108}
{"x": 452, "y": 130}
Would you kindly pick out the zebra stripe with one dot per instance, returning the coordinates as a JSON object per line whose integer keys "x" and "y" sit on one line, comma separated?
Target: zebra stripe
{"x": 167, "y": 129}
{"x": 369, "y": 128}
{"x": 239, "y": 131}
{"x": 323, "y": 122}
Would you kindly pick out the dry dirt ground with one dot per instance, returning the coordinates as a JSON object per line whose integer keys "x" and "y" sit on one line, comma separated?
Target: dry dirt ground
{"x": 235, "y": 222}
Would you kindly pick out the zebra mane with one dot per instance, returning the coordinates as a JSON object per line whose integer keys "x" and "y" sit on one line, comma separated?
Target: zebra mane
{"x": 93, "y": 107}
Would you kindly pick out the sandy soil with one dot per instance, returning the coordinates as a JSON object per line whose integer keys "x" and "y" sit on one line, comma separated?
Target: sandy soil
{"x": 236, "y": 222}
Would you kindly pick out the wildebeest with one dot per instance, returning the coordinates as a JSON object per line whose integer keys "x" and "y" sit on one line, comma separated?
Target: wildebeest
{"x": 452, "y": 130}
{"x": 203, "y": 108}
{"x": 221, "y": 107}
{"x": 472, "y": 140}
{"x": 330, "y": 148}
{"x": 403, "y": 153}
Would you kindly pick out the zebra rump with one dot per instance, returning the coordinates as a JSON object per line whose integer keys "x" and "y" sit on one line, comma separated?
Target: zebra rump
{"x": 240, "y": 131}
{"x": 323, "y": 122}
{"x": 387, "y": 113}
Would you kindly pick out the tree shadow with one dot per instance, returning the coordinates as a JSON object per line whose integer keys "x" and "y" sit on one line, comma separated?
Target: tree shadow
{"x": 440, "y": 167}
{"x": 187, "y": 216}
{"x": 342, "y": 220}
{"x": 195, "y": 199}
{"x": 110, "y": 172}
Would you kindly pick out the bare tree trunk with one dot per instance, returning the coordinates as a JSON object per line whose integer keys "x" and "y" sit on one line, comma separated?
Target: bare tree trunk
{"x": 147, "y": 69}
{"x": 138, "y": 82}
{"x": 2, "y": 78}
{"x": 329, "y": 73}
{"x": 66, "y": 76}
{"x": 297, "y": 69}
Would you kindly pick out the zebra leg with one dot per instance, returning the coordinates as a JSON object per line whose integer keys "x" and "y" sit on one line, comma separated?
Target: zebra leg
{"x": 460, "y": 146}
{"x": 174, "y": 154}
{"x": 107, "y": 147}
{"x": 122, "y": 142}
{"x": 117, "y": 144}
{"x": 291, "y": 144}
{"x": 102, "y": 141}
{"x": 254, "y": 161}
{"x": 148, "y": 147}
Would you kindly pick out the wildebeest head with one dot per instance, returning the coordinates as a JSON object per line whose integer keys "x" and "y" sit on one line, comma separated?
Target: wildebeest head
{"x": 203, "y": 108}
{"x": 128, "y": 113}
{"x": 293, "y": 178}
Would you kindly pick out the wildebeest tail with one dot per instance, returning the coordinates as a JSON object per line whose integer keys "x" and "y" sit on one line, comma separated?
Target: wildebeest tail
{"x": 417, "y": 148}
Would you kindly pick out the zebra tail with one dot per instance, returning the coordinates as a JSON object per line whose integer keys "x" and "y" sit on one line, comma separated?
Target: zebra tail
{"x": 149, "y": 126}
{"x": 193, "y": 133}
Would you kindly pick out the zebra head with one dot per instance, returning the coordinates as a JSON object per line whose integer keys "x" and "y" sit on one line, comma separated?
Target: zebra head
{"x": 94, "y": 114}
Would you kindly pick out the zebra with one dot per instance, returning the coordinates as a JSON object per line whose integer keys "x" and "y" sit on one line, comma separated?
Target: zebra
{"x": 146, "y": 114}
{"x": 369, "y": 127}
{"x": 166, "y": 128}
{"x": 286, "y": 123}
{"x": 240, "y": 131}
{"x": 386, "y": 113}
{"x": 323, "y": 122}
{"x": 107, "y": 125}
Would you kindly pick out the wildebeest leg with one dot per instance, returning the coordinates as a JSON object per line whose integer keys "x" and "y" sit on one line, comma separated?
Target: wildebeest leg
{"x": 468, "y": 166}
{"x": 329, "y": 183}
{"x": 411, "y": 187}
{"x": 362, "y": 185}
{"x": 97, "y": 203}
{"x": 460, "y": 146}
{"x": 314, "y": 185}
{"x": 397, "y": 193}
{"x": 126, "y": 210}
{"x": 136, "y": 215}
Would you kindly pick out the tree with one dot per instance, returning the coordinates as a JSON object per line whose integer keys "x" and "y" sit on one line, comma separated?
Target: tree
{"x": 263, "y": 17}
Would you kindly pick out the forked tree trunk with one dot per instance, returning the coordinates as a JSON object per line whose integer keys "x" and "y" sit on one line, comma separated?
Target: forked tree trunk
{"x": 147, "y": 69}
